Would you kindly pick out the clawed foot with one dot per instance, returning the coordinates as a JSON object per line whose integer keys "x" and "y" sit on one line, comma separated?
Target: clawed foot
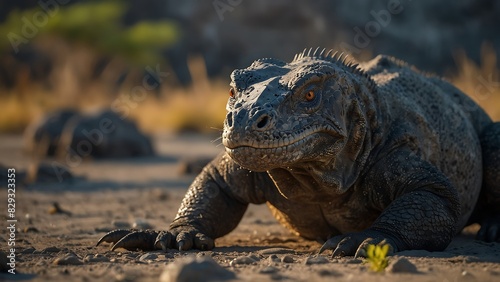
{"x": 355, "y": 244}
{"x": 490, "y": 230}
{"x": 148, "y": 240}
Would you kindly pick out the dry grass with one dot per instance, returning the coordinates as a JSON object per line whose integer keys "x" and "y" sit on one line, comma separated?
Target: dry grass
{"x": 480, "y": 82}
{"x": 200, "y": 107}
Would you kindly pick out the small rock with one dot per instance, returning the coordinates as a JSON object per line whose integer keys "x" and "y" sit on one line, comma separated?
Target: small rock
{"x": 316, "y": 260}
{"x": 141, "y": 224}
{"x": 120, "y": 224}
{"x": 29, "y": 250}
{"x": 28, "y": 217}
{"x": 30, "y": 229}
{"x": 287, "y": 259}
{"x": 273, "y": 258}
{"x": 276, "y": 251}
{"x": 205, "y": 253}
{"x": 269, "y": 270}
{"x": 401, "y": 265}
{"x": 328, "y": 272}
{"x": 258, "y": 221}
{"x": 102, "y": 229}
{"x": 56, "y": 209}
{"x": 254, "y": 257}
{"x": 159, "y": 194}
{"x": 467, "y": 276}
{"x": 68, "y": 259}
{"x": 50, "y": 250}
{"x": 195, "y": 269}
{"x": 95, "y": 258}
{"x": 148, "y": 257}
{"x": 242, "y": 260}
{"x": 353, "y": 261}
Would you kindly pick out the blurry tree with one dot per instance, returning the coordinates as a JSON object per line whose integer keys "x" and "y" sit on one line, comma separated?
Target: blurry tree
{"x": 96, "y": 26}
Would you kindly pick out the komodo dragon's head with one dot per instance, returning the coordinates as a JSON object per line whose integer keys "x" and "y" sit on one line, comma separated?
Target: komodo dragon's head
{"x": 282, "y": 115}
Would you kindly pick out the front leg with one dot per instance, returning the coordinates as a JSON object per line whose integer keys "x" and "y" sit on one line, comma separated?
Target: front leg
{"x": 419, "y": 208}
{"x": 213, "y": 206}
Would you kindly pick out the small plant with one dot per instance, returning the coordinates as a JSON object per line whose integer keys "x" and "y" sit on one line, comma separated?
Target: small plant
{"x": 376, "y": 255}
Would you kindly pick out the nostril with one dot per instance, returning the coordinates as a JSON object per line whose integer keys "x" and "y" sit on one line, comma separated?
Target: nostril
{"x": 263, "y": 121}
{"x": 229, "y": 119}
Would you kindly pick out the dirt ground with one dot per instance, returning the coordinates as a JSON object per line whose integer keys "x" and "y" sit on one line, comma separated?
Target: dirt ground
{"x": 147, "y": 192}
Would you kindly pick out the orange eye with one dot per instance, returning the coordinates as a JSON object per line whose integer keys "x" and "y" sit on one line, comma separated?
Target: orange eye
{"x": 231, "y": 92}
{"x": 310, "y": 95}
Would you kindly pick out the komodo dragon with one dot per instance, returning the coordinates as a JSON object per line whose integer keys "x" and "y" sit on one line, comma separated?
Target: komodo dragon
{"x": 351, "y": 154}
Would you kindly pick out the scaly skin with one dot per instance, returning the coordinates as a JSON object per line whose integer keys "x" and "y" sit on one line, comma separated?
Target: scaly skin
{"x": 346, "y": 153}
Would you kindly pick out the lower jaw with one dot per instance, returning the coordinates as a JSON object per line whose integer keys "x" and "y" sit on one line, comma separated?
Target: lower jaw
{"x": 260, "y": 159}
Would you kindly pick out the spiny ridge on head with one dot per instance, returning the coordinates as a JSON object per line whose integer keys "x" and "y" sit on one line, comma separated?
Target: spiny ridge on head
{"x": 335, "y": 57}
{"x": 331, "y": 55}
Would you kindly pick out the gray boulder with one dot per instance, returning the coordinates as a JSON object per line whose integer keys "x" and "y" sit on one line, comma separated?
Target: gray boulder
{"x": 41, "y": 137}
{"x": 103, "y": 134}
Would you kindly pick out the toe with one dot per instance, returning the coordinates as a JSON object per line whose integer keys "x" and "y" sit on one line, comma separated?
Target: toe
{"x": 164, "y": 240}
{"x": 143, "y": 240}
{"x": 184, "y": 241}
{"x": 492, "y": 233}
{"x": 331, "y": 244}
{"x": 346, "y": 247}
{"x": 203, "y": 242}
{"x": 490, "y": 230}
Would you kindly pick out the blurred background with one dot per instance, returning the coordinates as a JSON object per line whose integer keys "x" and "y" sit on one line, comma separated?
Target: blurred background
{"x": 166, "y": 64}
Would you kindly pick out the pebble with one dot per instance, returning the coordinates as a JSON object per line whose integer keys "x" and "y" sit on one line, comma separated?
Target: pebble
{"x": 195, "y": 269}
{"x": 30, "y": 229}
{"x": 56, "y": 209}
{"x": 269, "y": 270}
{"x": 95, "y": 258}
{"x": 401, "y": 265}
{"x": 467, "y": 276}
{"x": 68, "y": 259}
{"x": 148, "y": 257}
{"x": 158, "y": 194}
{"x": 29, "y": 250}
{"x": 51, "y": 250}
{"x": 273, "y": 258}
{"x": 242, "y": 260}
{"x": 353, "y": 261}
{"x": 276, "y": 251}
{"x": 254, "y": 257}
{"x": 316, "y": 260}
{"x": 141, "y": 224}
{"x": 287, "y": 259}
{"x": 328, "y": 272}
{"x": 120, "y": 224}
{"x": 205, "y": 253}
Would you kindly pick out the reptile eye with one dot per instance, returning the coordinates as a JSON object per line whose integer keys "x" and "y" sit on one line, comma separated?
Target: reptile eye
{"x": 310, "y": 96}
{"x": 231, "y": 92}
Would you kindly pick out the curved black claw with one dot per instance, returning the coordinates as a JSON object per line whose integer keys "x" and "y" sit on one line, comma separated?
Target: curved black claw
{"x": 114, "y": 236}
{"x": 143, "y": 240}
{"x": 490, "y": 230}
{"x": 355, "y": 244}
{"x": 164, "y": 240}
{"x": 131, "y": 239}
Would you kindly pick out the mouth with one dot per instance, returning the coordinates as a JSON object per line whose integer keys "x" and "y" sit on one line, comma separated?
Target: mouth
{"x": 264, "y": 156}
{"x": 232, "y": 140}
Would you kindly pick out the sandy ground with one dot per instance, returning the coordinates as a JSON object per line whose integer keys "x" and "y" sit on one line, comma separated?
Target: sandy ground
{"x": 148, "y": 191}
